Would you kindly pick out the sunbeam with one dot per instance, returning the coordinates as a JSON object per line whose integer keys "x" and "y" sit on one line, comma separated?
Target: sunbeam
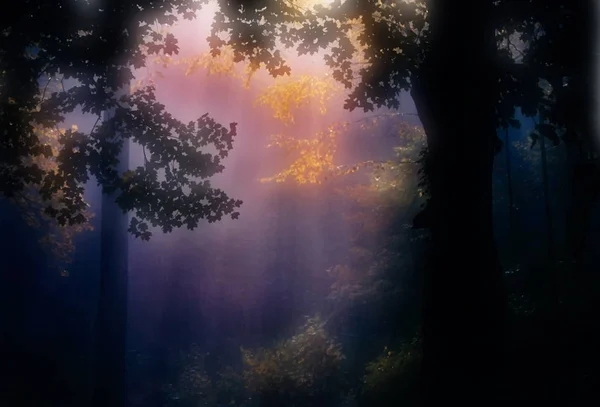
{"x": 307, "y": 203}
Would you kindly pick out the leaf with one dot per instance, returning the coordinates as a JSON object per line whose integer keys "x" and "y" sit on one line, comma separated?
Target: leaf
{"x": 289, "y": 94}
{"x": 548, "y": 131}
{"x": 313, "y": 157}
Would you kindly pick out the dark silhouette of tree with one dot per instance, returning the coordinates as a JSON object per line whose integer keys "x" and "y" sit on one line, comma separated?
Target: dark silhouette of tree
{"x": 563, "y": 33}
{"x": 98, "y": 48}
{"x": 413, "y": 46}
{"x": 91, "y": 50}
{"x": 461, "y": 157}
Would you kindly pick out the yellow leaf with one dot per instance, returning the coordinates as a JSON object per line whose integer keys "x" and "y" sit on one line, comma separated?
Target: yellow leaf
{"x": 287, "y": 94}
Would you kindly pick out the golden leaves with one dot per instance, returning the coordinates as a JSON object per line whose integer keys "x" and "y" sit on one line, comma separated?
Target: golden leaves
{"x": 288, "y": 94}
{"x": 314, "y": 157}
{"x": 305, "y": 4}
{"x": 224, "y": 63}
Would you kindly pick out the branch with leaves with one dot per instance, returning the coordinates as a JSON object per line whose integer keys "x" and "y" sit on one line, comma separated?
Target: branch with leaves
{"x": 99, "y": 54}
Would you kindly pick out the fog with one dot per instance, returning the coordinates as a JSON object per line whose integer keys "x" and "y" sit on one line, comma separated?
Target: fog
{"x": 252, "y": 282}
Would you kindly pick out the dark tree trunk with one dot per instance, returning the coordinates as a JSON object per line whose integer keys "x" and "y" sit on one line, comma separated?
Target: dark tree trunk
{"x": 463, "y": 297}
{"x": 111, "y": 323}
{"x": 509, "y": 188}
{"x": 582, "y": 146}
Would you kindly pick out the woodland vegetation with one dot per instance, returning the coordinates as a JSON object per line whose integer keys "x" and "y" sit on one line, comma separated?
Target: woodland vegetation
{"x": 458, "y": 238}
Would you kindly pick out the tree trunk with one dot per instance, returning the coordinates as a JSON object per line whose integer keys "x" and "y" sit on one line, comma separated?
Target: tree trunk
{"x": 463, "y": 298}
{"x": 582, "y": 145}
{"x": 111, "y": 323}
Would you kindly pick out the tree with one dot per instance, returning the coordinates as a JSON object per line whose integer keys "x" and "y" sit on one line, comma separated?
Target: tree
{"x": 564, "y": 115}
{"x": 407, "y": 46}
{"x": 411, "y": 61}
{"x": 58, "y": 239}
{"x": 402, "y": 47}
{"x": 91, "y": 50}
{"x": 94, "y": 53}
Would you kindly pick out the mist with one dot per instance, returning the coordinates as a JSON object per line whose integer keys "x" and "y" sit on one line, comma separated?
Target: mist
{"x": 313, "y": 295}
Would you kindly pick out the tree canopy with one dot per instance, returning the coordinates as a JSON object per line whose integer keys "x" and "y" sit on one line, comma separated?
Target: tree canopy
{"x": 60, "y": 57}
{"x": 375, "y": 49}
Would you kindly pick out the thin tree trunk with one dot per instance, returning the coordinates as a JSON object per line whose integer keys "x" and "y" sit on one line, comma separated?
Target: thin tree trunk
{"x": 508, "y": 174}
{"x": 515, "y": 247}
{"x": 511, "y": 202}
{"x": 555, "y": 283}
{"x": 111, "y": 323}
{"x": 547, "y": 208}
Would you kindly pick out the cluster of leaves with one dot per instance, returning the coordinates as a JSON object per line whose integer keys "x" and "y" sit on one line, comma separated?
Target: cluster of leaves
{"x": 46, "y": 39}
{"x": 564, "y": 84}
{"x": 391, "y": 378}
{"x": 37, "y": 206}
{"x": 399, "y": 174}
{"x": 314, "y": 157}
{"x": 165, "y": 191}
{"x": 313, "y": 160}
{"x": 393, "y": 33}
{"x": 97, "y": 46}
{"x": 193, "y": 386}
{"x": 222, "y": 64}
{"x": 378, "y": 216}
{"x": 304, "y": 370}
{"x": 288, "y": 94}
{"x": 376, "y": 50}
{"x": 552, "y": 88}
